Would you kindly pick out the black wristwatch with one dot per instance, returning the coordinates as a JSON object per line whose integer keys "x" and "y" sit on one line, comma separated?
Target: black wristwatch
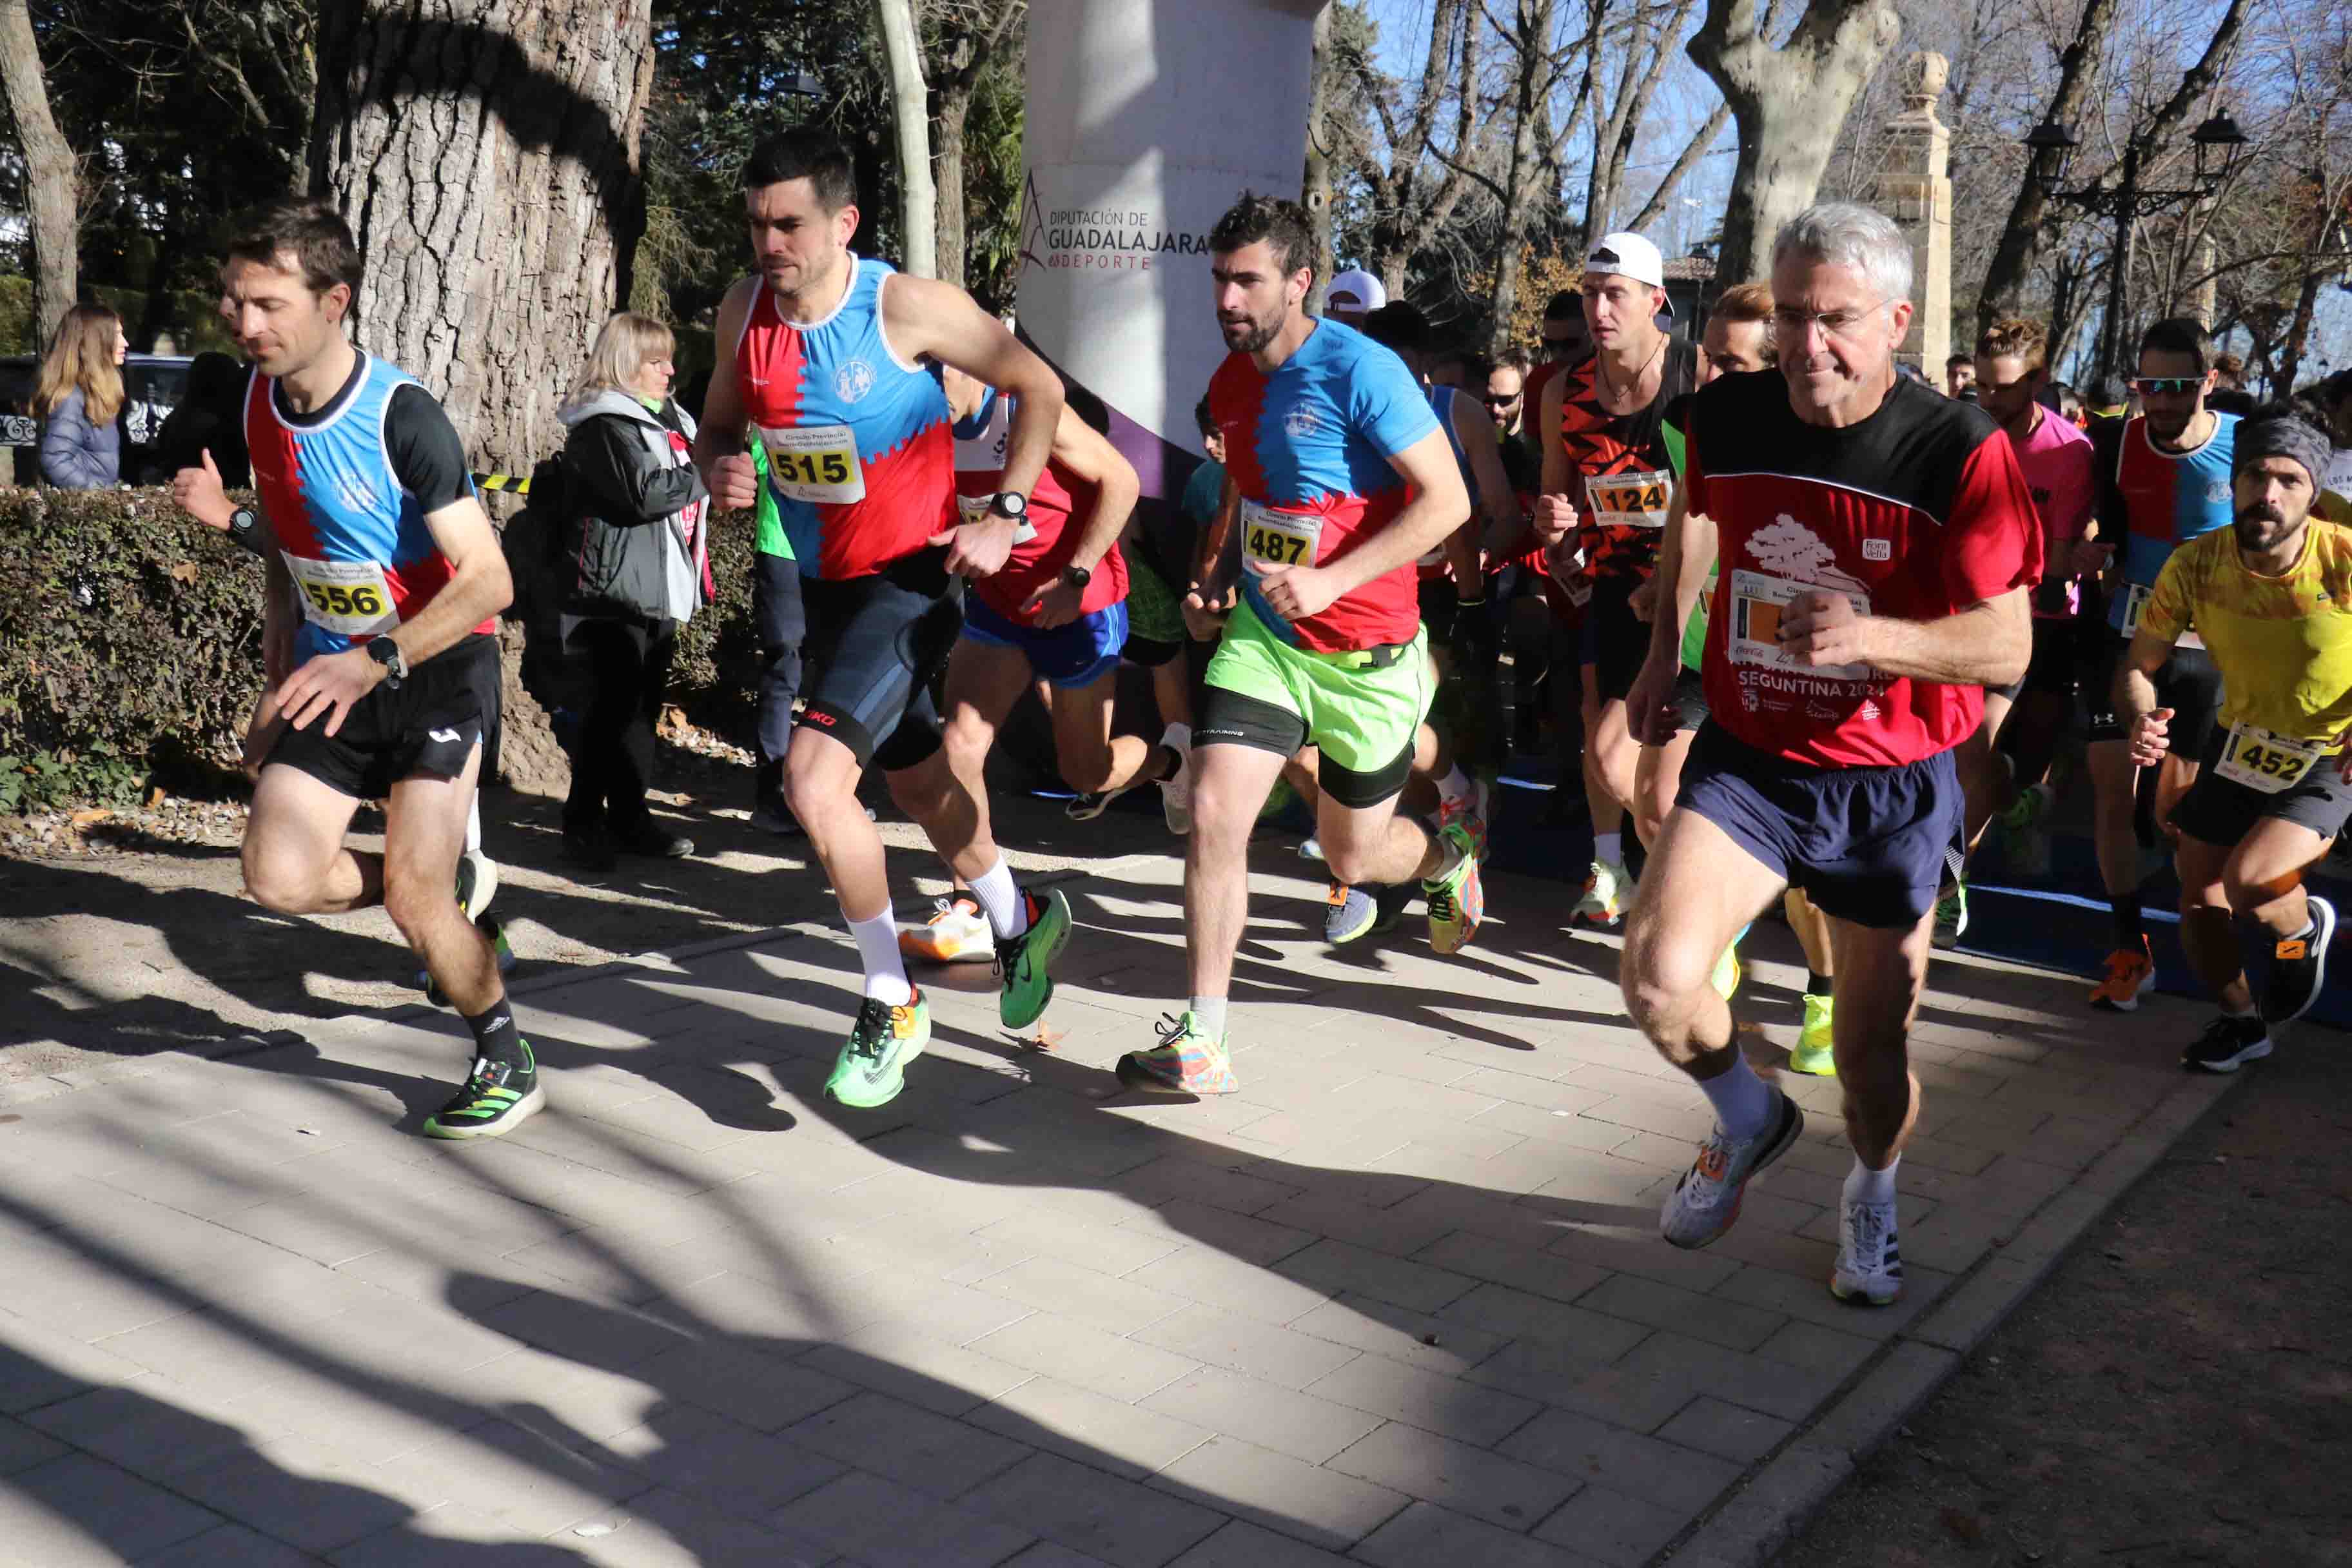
{"x": 386, "y": 652}
{"x": 1077, "y": 577}
{"x": 245, "y": 529}
{"x": 1010, "y": 504}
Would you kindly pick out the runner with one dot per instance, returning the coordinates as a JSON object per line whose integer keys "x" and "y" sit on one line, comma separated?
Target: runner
{"x": 1610, "y": 462}
{"x": 1879, "y": 547}
{"x": 387, "y": 684}
{"x": 2166, "y": 483}
{"x": 1352, "y": 295}
{"x": 1056, "y": 612}
{"x": 821, "y": 352}
{"x": 2012, "y": 367}
{"x": 1340, "y": 478}
{"x": 2276, "y": 785}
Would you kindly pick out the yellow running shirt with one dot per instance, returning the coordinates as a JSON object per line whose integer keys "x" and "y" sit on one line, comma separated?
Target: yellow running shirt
{"x": 2283, "y": 645}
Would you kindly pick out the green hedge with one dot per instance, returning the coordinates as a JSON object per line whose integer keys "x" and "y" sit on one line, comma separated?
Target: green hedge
{"x": 131, "y": 645}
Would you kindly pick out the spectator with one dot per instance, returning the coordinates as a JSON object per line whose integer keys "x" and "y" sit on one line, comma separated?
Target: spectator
{"x": 210, "y": 418}
{"x": 1205, "y": 490}
{"x": 1960, "y": 378}
{"x": 79, "y": 397}
{"x": 2230, "y": 394}
{"x": 1353, "y": 295}
{"x": 635, "y": 513}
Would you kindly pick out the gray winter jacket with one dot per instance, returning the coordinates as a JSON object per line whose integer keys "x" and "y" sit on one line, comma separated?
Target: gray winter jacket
{"x": 76, "y": 455}
{"x": 635, "y": 509}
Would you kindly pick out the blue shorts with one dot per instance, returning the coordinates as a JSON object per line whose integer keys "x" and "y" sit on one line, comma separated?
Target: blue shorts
{"x": 1865, "y": 845}
{"x": 1076, "y": 655}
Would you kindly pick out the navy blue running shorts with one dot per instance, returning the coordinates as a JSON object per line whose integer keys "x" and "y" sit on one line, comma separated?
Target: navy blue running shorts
{"x": 1865, "y": 845}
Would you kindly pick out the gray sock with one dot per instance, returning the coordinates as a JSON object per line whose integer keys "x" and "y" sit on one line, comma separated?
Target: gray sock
{"x": 1209, "y": 1012}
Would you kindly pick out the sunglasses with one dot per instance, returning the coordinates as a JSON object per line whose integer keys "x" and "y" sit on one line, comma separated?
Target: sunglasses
{"x": 1492, "y": 401}
{"x": 2166, "y": 386}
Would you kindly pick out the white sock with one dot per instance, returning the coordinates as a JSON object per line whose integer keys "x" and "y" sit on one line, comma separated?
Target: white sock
{"x": 1610, "y": 848}
{"x": 474, "y": 823}
{"x": 1864, "y": 1185}
{"x": 1455, "y": 786}
{"x": 1007, "y": 910}
{"x": 1178, "y": 736}
{"x": 877, "y": 946}
{"x": 2250, "y": 1011}
{"x": 1742, "y": 1101}
{"x": 1449, "y": 856}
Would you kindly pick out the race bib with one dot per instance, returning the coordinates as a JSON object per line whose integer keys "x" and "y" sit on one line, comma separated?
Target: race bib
{"x": 1280, "y": 538}
{"x": 974, "y": 508}
{"x": 349, "y": 598}
{"x": 815, "y": 463}
{"x": 2136, "y": 595}
{"x": 2259, "y": 760}
{"x": 1631, "y": 500}
{"x": 1757, "y": 603}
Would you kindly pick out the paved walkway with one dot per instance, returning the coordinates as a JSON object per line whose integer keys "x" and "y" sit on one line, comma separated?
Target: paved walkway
{"x": 1398, "y": 1303}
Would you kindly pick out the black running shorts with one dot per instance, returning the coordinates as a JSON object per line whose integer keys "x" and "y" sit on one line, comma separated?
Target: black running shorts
{"x": 429, "y": 726}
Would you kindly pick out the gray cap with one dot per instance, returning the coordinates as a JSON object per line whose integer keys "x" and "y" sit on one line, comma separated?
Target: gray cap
{"x": 2282, "y": 436}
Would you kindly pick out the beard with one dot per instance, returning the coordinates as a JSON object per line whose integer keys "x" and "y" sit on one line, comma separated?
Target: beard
{"x": 2259, "y": 526}
{"x": 1249, "y": 337}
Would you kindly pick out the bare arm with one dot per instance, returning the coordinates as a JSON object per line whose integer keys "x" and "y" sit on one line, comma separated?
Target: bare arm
{"x": 1686, "y": 553}
{"x": 1081, "y": 449}
{"x": 479, "y": 586}
{"x": 1989, "y": 643}
{"x": 720, "y": 437}
{"x": 1439, "y": 504}
{"x": 927, "y": 318}
{"x": 1484, "y": 448}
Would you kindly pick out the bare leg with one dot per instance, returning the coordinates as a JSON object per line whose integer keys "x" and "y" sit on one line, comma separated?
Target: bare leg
{"x": 295, "y": 861}
{"x": 1231, "y": 784}
{"x": 1172, "y": 692}
{"x": 1702, "y": 888}
{"x": 1879, "y": 974}
{"x": 1984, "y": 772}
{"x": 821, "y": 778}
{"x": 2113, "y": 782}
{"x": 2207, "y": 934}
{"x": 1657, "y": 782}
{"x": 425, "y": 832}
{"x": 1812, "y": 929}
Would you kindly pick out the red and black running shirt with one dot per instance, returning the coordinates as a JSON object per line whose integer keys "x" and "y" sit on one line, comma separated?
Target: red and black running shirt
{"x": 1625, "y": 470}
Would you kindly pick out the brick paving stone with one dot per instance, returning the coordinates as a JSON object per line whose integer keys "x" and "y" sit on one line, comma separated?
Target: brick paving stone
{"x": 1106, "y": 1248}
{"x": 1221, "y": 1338}
{"x": 1425, "y": 1534}
{"x": 761, "y": 1392}
{"x": 1710, "y": 1318}
{"x": 918, "y": 1366}
{"x": 1072, "y": 1290}
{"x": 1542, "y": 1273}
{"x": 1267, "y": 1413}
{"x": 1258, "y": 1238}
{"x": 76, "y": 1511}
{"x": 305, "y": 1503}
{"x": 149, "y": 1429}
{"x": 1755, "y": 1381}
{"x": 1047, "y": 1555}
{"x": 933, "y": 1454}
{"x": 884, "y": 1525}
{"x": 1064, "y": 1348}
{"x": 1315, "y": 1504}
{"x": 1400, "y": 1393}
{"x": 1726, "y": 1431}
{"x": 657, "y": 1529}
{"x": 1340, "y": 1266}
{"x": 228, "y": 1546}
{"x": 1612, "y": 1527}
{"x": 1242, "y": 1544}
{"x": 1210, "y": 1278}
{"x": 1456, "y": 1476}
{"x": 1174, "y": 1177}
{"x": 1433, "y": 1344}
{"x": 1091, "y": 1511}
{"x": 1664, "y": 1473}
{"x": 1125, "y": 1439}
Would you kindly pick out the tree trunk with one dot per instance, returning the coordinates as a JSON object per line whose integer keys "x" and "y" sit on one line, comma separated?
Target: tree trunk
{"x": 2021, "y": 243}
{"x": 949, "y": 248}
{"x": 51, "y": 188}
{"x": 486, "y": 156}
{"x": 1789, "y": 104}
{"x": 1315, "y": 182}
{"x": 912, "y": 114}
{"x": 1532, "y": 148}
{"x": 2298, "y": 332}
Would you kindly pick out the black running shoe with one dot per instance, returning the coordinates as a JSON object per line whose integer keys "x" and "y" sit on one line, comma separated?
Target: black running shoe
{"x": 499, "y": 1097}
{"x": 2299, "y": 967}
{"x": 2227, "y": 1044}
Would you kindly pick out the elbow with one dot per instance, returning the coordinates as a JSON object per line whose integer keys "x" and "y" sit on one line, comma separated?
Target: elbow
{"x": 2014, "y": 654}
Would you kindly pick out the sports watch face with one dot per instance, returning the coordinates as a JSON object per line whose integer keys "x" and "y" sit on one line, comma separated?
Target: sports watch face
{"x": 1010, "y": 503}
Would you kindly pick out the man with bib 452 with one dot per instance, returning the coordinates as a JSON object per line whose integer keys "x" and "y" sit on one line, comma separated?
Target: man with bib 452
{"x": 379, "y": 637}
{"x": 1339, "y": 480}
{"x": 822, "y": 354}
{"x": 2271, "y": 595}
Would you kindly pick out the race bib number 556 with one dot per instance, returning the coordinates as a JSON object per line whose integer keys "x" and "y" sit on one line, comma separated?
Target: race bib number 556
{"x": 349, "y": 598}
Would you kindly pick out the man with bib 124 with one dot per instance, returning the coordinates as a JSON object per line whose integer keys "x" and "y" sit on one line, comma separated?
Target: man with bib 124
{"x": 821, "y": 353}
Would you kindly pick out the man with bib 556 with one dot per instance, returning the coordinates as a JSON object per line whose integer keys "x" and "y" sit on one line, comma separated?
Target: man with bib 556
{"x": 822, "y": 354}
{"x": 1339, "y": 480}
{"x": 379, "y": 634}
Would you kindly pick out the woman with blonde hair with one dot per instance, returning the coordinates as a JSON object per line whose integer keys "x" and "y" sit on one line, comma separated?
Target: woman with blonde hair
{"x": 634, "y": 515}
{"x": 77, "y": 397}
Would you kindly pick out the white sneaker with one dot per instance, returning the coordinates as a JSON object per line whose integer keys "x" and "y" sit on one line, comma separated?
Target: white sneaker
{"x": 1868, "y": 1264}
{"x": 1176, "y": 792}
{"x": 1707, "y": 1200}
{"x": 1607, "y": 894}
{"x": 477, "y": 882}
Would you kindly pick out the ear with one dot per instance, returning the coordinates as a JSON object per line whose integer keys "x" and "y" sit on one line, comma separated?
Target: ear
{"x": 1294, "y": 291}
{"x": 1898, "y": 316}
{"x": 845, "y": 222}
{"x": 336, "y": 302}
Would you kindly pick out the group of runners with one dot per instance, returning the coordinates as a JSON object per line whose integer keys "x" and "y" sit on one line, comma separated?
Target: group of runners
{"x": 1811, "y": 591}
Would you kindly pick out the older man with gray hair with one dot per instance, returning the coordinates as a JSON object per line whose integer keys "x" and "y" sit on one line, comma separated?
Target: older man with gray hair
{"x": 1877, "y": 545}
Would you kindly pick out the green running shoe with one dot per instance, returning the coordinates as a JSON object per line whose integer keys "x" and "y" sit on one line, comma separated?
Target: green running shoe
{"x": 1814, "y": 1053}
{"x": 1951, "y": 918}
{"x": 1457, "y": 901}
{"x": 498, "y": 1097}
{"x": 872, "y": 1067}
{"x": 1185, "y": 1062}
{"x": 1025, "y": 960}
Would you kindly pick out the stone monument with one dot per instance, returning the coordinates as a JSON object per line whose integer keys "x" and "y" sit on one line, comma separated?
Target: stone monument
{"x": 1915, "y": 189}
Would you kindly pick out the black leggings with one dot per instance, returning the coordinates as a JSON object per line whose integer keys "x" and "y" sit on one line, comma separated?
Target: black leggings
{"x": 628, "y": 669}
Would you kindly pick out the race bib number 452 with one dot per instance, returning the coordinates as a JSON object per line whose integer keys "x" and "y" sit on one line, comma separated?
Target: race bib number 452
{"x": 1279, "y": 538}
{"x": 349, "y": 598}
{"x": 2259, "y": 760}
{"x": 816, "y": 464}
{"x": 1757, "y": 604}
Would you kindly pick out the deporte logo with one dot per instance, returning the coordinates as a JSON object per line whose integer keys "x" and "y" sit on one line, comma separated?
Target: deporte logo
{"x": 1099, "y": 239}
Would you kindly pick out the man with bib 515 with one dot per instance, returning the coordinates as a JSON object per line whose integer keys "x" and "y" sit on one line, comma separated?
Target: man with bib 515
{"x": 2271, "y": 595}
{"x": 1338, "y": 478}
{"x": 821, "y": 353}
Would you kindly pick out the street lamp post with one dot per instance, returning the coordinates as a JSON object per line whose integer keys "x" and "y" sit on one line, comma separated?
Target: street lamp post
{"x": 2218, "y": 143}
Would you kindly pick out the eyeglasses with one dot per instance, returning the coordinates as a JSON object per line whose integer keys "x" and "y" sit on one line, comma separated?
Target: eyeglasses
{"x": 1493, "y": 402}
{"x": 2167, "y": 385}
{"x": 1799, "y": 324}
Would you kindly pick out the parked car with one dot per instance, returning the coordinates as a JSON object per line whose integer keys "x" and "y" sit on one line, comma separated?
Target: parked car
{"x": 153, "y": 386}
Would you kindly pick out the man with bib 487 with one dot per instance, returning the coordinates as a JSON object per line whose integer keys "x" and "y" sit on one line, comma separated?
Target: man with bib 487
{"x": 823, "y": 353}
{"x": 1339, "y": 480}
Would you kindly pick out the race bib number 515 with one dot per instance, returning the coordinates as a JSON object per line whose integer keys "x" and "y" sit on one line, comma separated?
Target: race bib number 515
{"x": 816, "y": 464}
{"x": 349, "y": 598}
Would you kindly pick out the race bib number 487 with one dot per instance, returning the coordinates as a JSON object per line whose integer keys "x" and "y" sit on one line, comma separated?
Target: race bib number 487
{"x": 349, "y": 598}
{"x": 1757, "y": 604}
{"x": 816, "y": 464}
{"x": 1279, "y": 538}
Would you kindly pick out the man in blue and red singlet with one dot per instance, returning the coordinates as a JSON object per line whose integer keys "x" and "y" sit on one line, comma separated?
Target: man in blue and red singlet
{"x": 2164, "y": 479}
{"x": 821, "y": 355}
{"x": 379, "y": 636}
{"x": 1337, "y": 479}
{"x": 1057, "y": 612}
{"x": 1877, "y": 547}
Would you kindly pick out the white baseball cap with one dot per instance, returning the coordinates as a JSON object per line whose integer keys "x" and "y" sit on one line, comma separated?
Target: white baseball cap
{"x": 1630, "y": 256}
{"x": 1355, "y": 290}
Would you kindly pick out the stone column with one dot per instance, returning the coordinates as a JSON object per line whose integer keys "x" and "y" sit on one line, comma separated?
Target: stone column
{"x": 1915, "y": 189}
